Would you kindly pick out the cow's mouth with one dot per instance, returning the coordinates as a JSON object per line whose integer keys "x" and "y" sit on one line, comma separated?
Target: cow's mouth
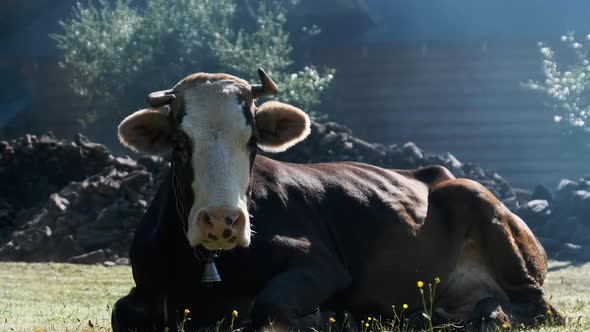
{"x": 213, "y": 246}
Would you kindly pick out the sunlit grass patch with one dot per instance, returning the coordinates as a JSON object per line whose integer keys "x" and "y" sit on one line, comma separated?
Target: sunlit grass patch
{"x": 59, "y": 297}
{"x": 65, "y": 297}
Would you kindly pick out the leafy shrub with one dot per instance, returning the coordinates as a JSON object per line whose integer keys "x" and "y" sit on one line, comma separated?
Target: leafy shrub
{"x": 566, "y": 84}
{"x": 117, "y": 53}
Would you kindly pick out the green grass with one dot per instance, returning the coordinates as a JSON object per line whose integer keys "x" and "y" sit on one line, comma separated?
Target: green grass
{"x": 64, "y": 297}
{"x": 59, "y": 297}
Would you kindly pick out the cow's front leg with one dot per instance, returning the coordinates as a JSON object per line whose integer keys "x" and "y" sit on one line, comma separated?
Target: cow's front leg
{"x": 140, "y": 312}
{"x": 294, "y": 294}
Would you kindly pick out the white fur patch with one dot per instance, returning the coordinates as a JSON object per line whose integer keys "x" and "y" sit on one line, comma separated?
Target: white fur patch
{"x": 216, "y": 124}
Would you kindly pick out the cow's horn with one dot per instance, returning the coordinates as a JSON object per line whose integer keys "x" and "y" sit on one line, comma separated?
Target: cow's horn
{"x": 160, "y": 98}
{"x": 267, "y": 88}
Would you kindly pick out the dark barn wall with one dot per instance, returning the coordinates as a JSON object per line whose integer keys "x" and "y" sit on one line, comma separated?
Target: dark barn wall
{"x": 462, "y": 97}
{"x": 447, "y": 75}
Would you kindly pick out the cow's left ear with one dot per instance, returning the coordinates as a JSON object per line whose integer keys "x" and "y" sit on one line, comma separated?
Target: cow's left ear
{"x": 280, "y": 126}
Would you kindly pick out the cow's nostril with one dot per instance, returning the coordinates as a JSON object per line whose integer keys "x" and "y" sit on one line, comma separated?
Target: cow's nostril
{"x": 232, "y": 219}
{"x": 226, "y": 233}
{"x": 206, "y": 218}
{"x": 212, "y": 237}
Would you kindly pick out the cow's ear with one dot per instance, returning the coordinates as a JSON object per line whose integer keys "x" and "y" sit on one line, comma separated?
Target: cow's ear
{"x": 147, "y": 131}
{"x": 280, "y": 126}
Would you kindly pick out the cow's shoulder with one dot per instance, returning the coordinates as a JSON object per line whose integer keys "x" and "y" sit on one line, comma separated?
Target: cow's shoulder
{"x": 431, "y": 175}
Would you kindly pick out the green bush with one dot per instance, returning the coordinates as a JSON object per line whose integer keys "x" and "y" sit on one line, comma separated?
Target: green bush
{"x": 117, "y": 53}
{"x": 565, "y": 85}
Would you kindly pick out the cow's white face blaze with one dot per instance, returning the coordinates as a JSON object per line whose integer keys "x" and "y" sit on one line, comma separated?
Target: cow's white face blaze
{"x": 217, "y": 127}
{"x": 214, "y": 121}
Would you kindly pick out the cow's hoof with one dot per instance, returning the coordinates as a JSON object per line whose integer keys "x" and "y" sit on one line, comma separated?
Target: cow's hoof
{"x": 128, "y": 315}
{"x": 535, "y": 312}
{"x": 488, "y": 316}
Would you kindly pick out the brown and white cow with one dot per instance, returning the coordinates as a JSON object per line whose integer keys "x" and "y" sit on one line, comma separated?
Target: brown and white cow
{"x": 298, "y": 239}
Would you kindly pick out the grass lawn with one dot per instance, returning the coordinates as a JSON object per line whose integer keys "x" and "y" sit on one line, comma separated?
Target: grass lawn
{"x": 59, "y": 297}
{"x": 65, "y": 297}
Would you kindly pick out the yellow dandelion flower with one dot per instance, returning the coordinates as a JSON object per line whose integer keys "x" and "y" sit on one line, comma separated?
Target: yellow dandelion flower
{"x": 367, "y": 324}
{"x": 234, "y": 313}
{"x": 369, "y": 318}
{"x": 437, "y": 280}
{"x": 332, "y": 320}
{"x": 549, "y": 312}
{"x": 505, "y": 326}
{"x": 420, "y": 284}
{"x": 186, "y": 312}
{"x": 405, "y": 306}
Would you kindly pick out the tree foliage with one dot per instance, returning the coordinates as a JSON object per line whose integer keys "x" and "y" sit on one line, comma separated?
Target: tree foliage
{"x": 118, "y": 53}
{"x": 566, "y": 84}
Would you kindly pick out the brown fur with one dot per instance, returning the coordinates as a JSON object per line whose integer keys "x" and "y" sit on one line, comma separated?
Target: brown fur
{"x": 200, "y": 78}
{"x": 341, "y": 236}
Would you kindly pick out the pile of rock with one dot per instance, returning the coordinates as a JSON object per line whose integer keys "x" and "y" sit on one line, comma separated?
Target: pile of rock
{"x": 90, "y": 219}
{"x": 75, "y": 201}
{"x": 561, "y": 219}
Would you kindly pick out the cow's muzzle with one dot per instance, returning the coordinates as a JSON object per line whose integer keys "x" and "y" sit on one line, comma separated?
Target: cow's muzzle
{"x": 221, "y": 228}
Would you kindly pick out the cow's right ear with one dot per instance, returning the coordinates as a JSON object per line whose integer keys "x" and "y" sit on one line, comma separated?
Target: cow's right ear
{"x": 147, "y": 131}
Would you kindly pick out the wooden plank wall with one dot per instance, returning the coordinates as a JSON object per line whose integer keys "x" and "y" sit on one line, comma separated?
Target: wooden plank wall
{"x": 462, "y": 97}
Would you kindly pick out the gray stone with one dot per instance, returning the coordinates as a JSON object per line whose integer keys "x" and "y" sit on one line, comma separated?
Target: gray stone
{"x": 560, "y": 229}
{"x": 107, "y": 186}
{"x": 93, "y": 257}
{"x": 413, "y": 151}
{"x": 108, "y": 218}
{"x": 32, "y": 239}
{"x": 523, "y": 195}
{"x": 109, "y": 263}
{"x": 58, "y": 203}
{"x": 570, "y": 251}
{"x": 581, "y": 234}
{"x": 137, "y": 180}
{"x": 126, "y": 161}
{"x": 535, "y": 213}
{"x": 9, "y": 252}
{"x": 539, "y": 207}
{"x": 328, "y": 138}
{"x": 65, "y": 247}
{"x": 550, "y": 244}
{"x": 122, "y": 261}
{"x": 566, "y": 185}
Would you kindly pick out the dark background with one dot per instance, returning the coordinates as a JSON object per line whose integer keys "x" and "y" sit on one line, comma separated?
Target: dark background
{"x": 445, "y": 74}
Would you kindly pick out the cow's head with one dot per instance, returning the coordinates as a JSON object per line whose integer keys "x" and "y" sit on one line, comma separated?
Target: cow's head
{"x": 214, "y": 127}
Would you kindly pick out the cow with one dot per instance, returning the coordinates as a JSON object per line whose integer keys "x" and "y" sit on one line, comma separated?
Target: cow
{"x": 297, "y": 243}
